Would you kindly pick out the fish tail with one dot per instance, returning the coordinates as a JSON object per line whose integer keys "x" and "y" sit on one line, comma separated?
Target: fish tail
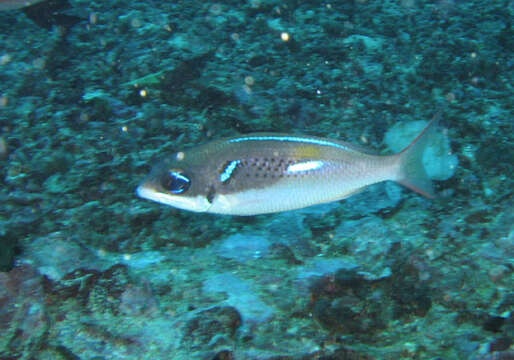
{"x": 412, "y": 173}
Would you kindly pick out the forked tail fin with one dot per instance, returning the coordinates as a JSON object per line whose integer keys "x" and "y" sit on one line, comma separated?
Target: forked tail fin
{"x": 412, "y": 173}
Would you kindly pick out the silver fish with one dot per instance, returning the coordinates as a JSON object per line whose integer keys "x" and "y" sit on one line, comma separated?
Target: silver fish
{"x": 265, "y": 173}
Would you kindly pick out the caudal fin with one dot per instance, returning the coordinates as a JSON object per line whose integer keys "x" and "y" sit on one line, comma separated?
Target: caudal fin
{"x": 412, "y": 173}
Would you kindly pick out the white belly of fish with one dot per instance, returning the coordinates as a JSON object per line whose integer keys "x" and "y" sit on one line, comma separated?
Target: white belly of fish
{"x": 291, "y": 194}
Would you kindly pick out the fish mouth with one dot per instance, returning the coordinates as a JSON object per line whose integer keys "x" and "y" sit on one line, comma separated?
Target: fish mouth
{"x": 144, "y": 192}
{"x": 147, "y": 192}
{"x": 196, "y": 203}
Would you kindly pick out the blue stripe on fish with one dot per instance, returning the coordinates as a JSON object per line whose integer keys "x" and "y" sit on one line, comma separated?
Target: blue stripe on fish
{"x": 291, "y": 139}
{"x": 229, "y": 169}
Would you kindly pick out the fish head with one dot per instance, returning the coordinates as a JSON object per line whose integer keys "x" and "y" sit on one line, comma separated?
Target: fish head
{"x": 177, "y": 182}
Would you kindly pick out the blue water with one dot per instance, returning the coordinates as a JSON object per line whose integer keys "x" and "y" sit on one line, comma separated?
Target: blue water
{"x": 91, "y": 271}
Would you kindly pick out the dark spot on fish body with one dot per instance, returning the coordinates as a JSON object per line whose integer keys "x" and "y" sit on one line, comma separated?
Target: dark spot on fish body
{"x": 256, "y": 172}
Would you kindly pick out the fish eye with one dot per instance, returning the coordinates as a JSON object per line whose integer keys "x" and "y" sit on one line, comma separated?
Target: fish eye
{"x": 175, "y": 181}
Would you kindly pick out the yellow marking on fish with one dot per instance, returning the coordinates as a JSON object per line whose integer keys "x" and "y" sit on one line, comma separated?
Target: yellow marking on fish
{"x": 307, "y": 151}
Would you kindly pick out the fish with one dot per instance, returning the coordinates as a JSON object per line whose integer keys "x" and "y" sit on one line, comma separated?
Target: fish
{"x": 44, "y": 13}
{"x": 261, "y": 173}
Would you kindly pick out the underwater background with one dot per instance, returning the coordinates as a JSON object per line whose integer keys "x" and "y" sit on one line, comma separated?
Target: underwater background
{"x": 91, "y": 271}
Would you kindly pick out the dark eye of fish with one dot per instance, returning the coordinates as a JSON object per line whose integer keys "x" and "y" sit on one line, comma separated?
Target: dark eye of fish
{"x": 175, "y": 182}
